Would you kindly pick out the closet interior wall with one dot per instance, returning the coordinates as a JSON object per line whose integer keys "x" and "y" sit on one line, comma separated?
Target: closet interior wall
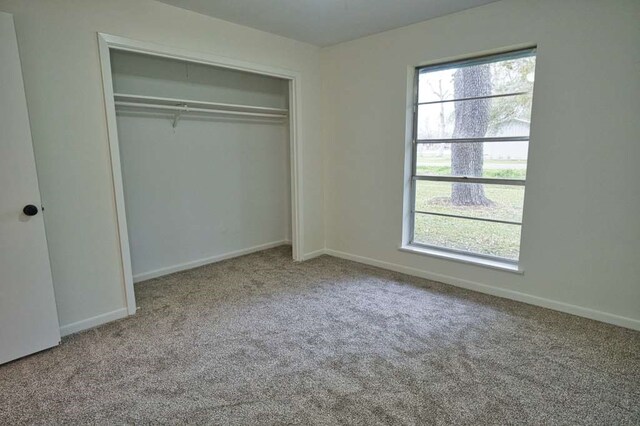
{"x": 200, "y": 186}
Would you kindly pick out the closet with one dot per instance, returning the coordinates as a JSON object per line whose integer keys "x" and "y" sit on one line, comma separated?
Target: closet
{"x": 205, "y": 161}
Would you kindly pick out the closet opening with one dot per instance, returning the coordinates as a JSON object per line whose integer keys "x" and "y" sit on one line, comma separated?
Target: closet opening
{"x": 204, "y": 158}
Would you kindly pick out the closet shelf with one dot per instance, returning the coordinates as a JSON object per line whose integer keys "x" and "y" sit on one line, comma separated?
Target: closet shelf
{"x": 180, "y": 106}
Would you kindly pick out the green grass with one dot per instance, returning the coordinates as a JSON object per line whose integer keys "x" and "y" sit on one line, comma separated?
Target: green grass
{"x": 488, "y": 238}
{"x": 496, "y": 239}
{"x": 488, "y": 173}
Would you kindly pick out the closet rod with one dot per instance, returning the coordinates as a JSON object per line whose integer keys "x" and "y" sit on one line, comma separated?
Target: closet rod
{"x": 185, "y": 108}
{"x": 124, "y": 97}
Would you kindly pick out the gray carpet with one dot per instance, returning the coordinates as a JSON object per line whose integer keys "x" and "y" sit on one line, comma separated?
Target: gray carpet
{"x": 262, "y": 340}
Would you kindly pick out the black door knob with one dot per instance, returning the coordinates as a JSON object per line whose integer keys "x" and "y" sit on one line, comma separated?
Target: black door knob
{"x": 30, "y": 210}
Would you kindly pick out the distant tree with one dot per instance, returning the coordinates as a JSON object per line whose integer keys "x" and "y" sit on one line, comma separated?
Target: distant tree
{"x": 510, "y": 77}
{"x": 441, "y": 94}
{"x": 471, "y": 121}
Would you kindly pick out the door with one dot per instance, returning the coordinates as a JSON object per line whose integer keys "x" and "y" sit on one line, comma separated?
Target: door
{"x": 28, "y": 317}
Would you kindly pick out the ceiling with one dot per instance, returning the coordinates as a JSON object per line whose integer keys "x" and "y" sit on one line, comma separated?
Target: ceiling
{"x": 325, "y": 22}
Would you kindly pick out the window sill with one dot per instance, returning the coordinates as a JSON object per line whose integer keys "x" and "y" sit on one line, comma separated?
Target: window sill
{"x": 463, "y": 258}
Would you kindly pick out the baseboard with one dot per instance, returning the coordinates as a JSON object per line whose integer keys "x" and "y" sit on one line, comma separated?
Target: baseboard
{"x": 92, "y": 322}
{"x": 621, "y": 321}
{"x": 495, "y": 291}
{"x": 200, "y": 262}
{"x": 313, "y": 254}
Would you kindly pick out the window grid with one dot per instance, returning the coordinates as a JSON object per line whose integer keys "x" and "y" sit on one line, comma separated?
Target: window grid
{"x": 415, "y": 177}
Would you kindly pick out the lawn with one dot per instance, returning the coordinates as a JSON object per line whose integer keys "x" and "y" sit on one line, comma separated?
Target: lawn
{"x": 495, "y": 239}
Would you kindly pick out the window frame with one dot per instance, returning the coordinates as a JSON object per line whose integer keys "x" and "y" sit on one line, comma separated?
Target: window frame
{"x": 446, "y": 252}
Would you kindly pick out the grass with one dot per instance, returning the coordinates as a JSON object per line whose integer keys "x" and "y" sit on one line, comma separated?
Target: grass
{"x": 487, "y": 238}
{"x": 488, "y": 173}
{"x": 496, "y": 239}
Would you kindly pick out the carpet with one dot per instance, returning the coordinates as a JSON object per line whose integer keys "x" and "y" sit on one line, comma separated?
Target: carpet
{"x": 262, "y": 340}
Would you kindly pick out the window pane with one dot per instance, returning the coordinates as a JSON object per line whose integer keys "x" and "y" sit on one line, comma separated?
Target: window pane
{"x": 498, "y": 202}
{"x": 493, "y": 239}
{"x": 494, "y": 117}
{"x": 507, "y": 76}
{"x": 501, "y": 160}
{"x": 486, "y": 97}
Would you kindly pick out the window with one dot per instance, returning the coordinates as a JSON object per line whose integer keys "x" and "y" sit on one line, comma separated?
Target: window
{"x": 471, "y": 138}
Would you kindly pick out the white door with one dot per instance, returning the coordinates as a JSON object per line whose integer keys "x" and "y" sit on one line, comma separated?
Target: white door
{"x": 28, "y": 317}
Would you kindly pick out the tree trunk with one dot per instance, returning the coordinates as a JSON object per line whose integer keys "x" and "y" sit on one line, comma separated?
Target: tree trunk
{"x": 471, "y": 121}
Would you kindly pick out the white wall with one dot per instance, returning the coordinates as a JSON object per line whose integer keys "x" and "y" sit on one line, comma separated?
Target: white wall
{"x": 59, "y": 51}
{"x": 154, "y": 76}
{"x": 211, "y": 186}
{"x": 581, "y": 234}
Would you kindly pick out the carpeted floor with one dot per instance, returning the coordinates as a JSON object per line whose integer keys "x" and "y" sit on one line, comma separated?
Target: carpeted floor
{"x": 262, "y": 340}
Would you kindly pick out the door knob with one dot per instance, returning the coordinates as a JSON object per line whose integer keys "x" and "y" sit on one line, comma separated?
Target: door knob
{"x": 30, "y": 210}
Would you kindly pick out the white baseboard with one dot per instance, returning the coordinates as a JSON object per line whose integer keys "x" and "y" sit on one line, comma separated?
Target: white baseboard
{"x": 200, "y": 262}
{"x": 495, "y": 291}
{"x": 313, "y": 254}
{"x": 92, "y": 322}
{"x": 631, "y": 323}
